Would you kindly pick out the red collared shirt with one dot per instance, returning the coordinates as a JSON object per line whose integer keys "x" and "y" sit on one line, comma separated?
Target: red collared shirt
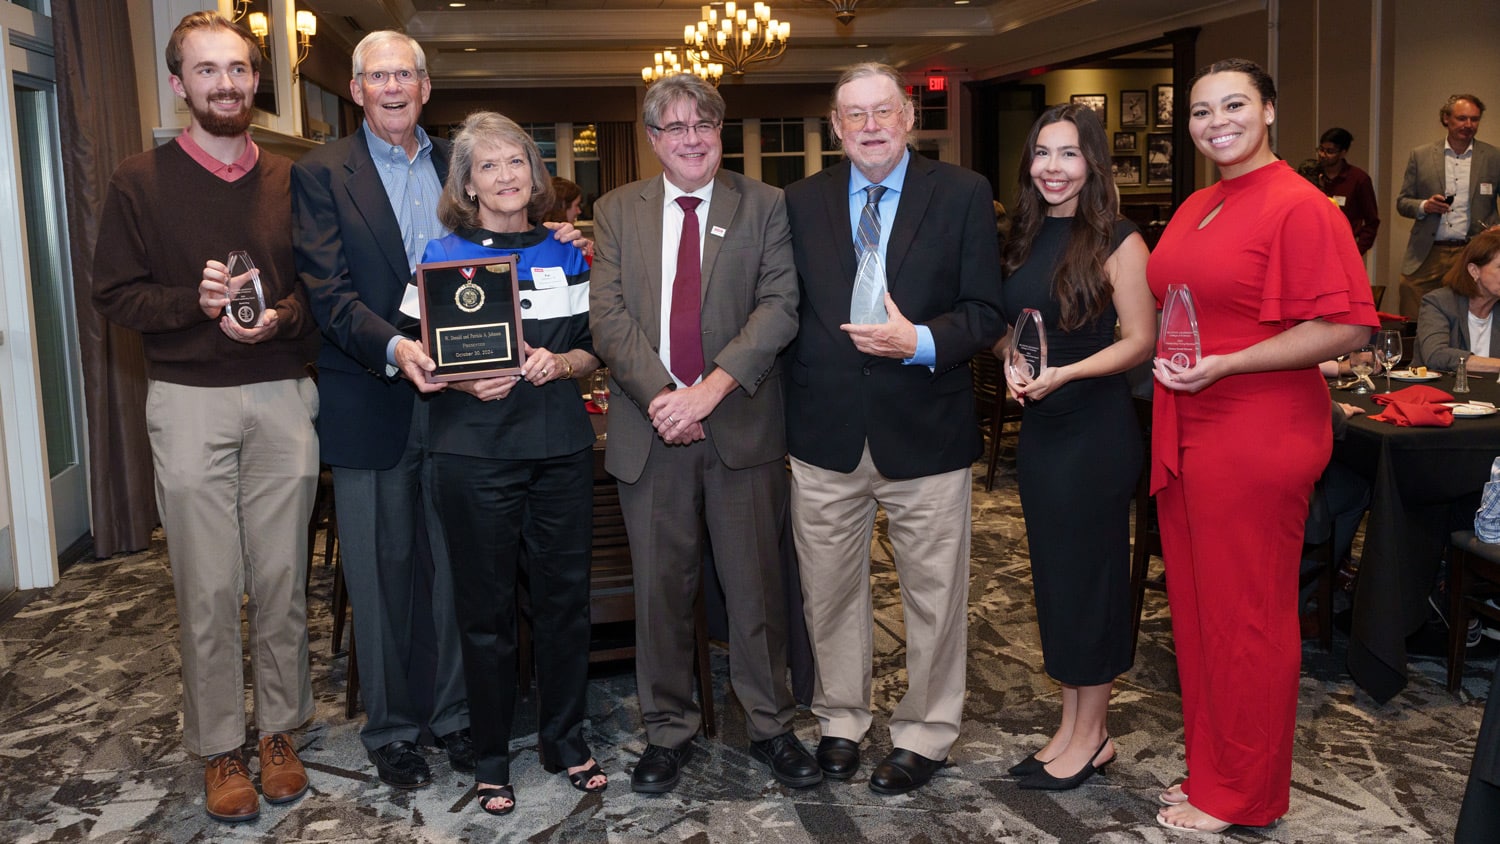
{"x": 230, "y": 172}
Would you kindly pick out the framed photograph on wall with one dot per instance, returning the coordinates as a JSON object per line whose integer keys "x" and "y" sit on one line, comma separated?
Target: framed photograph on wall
{"x": 1126, "y": 169}
{"x": 1159, "y": 158}
{"x": 1163, "y": 106}
{"x": 1134, "y": 110}
{"x": 1099, "y": 103}
{"x": 1125, "y": 142}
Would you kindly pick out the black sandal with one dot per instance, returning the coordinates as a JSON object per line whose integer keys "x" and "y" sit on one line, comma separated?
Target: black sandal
{"x": 485, "y": 795}
{"x": 581, "y": 779}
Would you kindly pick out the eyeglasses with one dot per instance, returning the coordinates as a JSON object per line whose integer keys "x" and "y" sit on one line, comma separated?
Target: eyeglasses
{"x": 885, "y": 115}
{"x": 1329, "y": 150}
{"x": 678, "y": 131}
{"x": 404, "y": 76}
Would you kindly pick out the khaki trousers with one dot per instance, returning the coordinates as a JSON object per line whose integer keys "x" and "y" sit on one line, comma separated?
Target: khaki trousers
{"x": 833, "y": 515}
{"x": 236, "y": 472}
{"x": 1427, "y": 278}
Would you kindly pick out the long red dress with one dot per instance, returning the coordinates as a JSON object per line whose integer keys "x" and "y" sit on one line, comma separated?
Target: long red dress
{"x": 1233, "y": 468}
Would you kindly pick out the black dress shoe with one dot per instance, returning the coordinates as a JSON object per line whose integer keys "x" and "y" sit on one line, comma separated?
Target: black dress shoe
{"x": 838, "y": 757}
{"x": 400, "y": 765}
{"x": 460, "y": 747}
{"x": 903, "y": 771}
{"x": 1026, "y": 767}
{"x": 790, "y": 762}
{"x": 659, "y": 768}
{"x": 1043, "y": 781}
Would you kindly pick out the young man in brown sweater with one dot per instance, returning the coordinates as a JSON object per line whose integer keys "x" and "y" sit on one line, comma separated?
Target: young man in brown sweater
{"x": 229, "y": 409}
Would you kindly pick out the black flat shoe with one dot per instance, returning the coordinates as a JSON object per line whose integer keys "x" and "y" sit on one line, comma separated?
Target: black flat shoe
{"x": 460, "y": 747}
{"x": 790, "y": 762}
{"x": 838, "y": 757}
{"x": 1026, "y": 767}
{"x": 1043, "y": 781}
{"x": 903, "y": 771}
{"x": 400, "y": 765}
{"x": 659, "y": 769}
{"x": 485, "y": 795}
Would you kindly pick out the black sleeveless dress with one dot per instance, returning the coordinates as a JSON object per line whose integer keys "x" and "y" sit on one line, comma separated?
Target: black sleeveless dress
{"x": 1078, "y": 462}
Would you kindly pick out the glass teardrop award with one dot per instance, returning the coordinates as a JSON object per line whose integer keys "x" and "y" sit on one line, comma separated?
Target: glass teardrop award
{"x": 1178, "y": 341}
{"x": 867, "y": 305}
{"x": 246, "y": 300}
{"x": 1028, "y": 346}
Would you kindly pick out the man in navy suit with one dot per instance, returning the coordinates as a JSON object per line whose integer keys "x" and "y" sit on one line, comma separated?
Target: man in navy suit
{"x": 1449, "y": 192}
{"x": 883, "y": 414}
{"x": 366, "y": 206}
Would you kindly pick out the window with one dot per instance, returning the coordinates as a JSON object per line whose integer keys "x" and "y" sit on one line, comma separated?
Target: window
{"x": 733, "y": 138}
{"x": 586, "y": 165}
{"x": 325, "y": 112}
{"x": 931, "y": 106}
{"x": 781, "y": 151}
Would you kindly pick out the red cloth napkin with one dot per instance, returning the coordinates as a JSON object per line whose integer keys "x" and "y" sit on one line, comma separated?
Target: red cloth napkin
{"x": 1417, "y": 406}
{"x": 588, "y": 404}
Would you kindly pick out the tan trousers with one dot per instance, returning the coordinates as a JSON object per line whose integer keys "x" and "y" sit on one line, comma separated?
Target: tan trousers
{"x": 1427, "y": 278}
{"x": 833, "y": 515}
{"x": 236, "y": 471}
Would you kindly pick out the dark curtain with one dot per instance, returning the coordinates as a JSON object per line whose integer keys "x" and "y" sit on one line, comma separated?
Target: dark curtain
{"x": 100, "y": 125}
{"x": 617, "y": 158}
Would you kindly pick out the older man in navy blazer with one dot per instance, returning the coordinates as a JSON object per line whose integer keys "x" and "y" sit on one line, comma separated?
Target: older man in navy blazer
{"x": 883, "y": 414}
{"x": 366, "y": 205}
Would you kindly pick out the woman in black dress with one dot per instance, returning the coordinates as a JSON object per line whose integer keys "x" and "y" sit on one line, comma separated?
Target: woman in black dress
{"x": 1071, "y": 258}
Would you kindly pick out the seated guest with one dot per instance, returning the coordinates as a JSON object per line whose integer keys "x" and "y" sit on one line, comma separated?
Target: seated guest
{"x": 567, "y": 202}
{"x": 1458, "y": 319}
{"x": 513, "y": 464}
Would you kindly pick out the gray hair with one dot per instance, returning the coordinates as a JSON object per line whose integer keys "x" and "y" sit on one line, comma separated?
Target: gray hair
{"x": 487, "y": 128}
{"x": 661, "y": 95}
{"x": 864, "y": 69}
{"x": 386, "y": 36}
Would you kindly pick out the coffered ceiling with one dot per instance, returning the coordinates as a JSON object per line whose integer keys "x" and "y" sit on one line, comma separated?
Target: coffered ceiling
{"x": 572, "y": 43}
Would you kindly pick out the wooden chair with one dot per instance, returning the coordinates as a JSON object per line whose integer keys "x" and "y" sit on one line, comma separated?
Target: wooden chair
{"x": 612, "y": 598}
{"x": 993, "y": 405}
{"x": 1473, "y": 576}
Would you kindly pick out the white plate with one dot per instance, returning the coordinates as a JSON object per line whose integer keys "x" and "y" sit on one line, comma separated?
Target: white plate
{"x": 1408, "y": 375}
{"x": 1460, "y": 409}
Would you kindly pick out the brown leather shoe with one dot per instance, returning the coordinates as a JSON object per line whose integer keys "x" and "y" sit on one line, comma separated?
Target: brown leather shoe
{"x": 229, "y": 795}
{"x": 282, "y": 777}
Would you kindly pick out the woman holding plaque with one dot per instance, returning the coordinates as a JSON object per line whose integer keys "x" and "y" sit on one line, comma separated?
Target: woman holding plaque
{"x": 1076, "y": 264}
{"x": 1238, "y": 438}
{"x": 513, "y": 463}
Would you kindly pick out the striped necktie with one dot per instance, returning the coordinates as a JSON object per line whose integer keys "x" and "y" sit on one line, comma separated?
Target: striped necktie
{"x": 868, "y": 237}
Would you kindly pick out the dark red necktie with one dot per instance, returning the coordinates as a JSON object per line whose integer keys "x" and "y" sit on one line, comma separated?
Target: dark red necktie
{"x": 686, "y": 330}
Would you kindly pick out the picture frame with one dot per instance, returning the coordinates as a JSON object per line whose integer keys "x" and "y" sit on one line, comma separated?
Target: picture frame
{"x": 1159, "y": 158}
{"x": 1125, "y": 142}
{"x": 1162, "y": 102}
{"x": 1126, "y": 169}
{"x": 1135, "y": 110}
{"x": 471, "y": 318}
{"x": 1098, "y": 103}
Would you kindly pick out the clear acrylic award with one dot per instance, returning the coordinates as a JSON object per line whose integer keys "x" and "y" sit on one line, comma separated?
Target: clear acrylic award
{"x": 246, "y": 299}
{"x": 1178, "y": 341}
{"x": 867, "y": 305}
{"x": 1028, "y": 346}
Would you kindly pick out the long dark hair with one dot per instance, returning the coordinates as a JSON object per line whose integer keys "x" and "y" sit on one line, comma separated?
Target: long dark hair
{"x": 1080, "y": 284}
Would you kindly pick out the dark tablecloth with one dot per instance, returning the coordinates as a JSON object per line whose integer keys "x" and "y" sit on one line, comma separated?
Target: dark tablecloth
{"x": 1425, "y": 482}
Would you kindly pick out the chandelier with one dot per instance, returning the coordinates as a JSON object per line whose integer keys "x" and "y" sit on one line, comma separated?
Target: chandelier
{"x": 696, "y": 62}
{"x": 586, "y": 142}
{"x": 740, "y": 39}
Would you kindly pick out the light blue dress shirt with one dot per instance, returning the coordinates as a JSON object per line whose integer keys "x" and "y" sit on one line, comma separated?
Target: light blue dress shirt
{"x": 414, "y": 190}
{"x": 926, "y": 354}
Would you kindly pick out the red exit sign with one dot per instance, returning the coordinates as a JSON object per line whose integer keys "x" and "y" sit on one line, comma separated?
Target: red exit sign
{"x": 937, "y": 83}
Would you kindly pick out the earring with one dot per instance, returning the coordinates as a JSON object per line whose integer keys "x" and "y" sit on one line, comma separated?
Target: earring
{"x": 473, "y": 196}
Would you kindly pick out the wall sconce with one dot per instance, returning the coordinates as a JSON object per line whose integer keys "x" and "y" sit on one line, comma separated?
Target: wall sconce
{"x": 307, "y": 27}
{"x": 260, "y": 28}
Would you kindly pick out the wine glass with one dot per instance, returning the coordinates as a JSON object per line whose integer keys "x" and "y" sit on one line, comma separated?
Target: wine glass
{"x": 1388, "y": 349}
{"x": 1362, "y": 363}
{"x": 599, "y": 392}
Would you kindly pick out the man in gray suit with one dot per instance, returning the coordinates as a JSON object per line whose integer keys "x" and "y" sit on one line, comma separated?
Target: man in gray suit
{"x": 696, "y": 436}
{"x": 1449, "y": 189}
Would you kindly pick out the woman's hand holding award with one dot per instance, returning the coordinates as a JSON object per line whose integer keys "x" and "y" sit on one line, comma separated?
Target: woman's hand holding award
{"x": 1178, "y": 342}
{"x": 1028, "y": 348}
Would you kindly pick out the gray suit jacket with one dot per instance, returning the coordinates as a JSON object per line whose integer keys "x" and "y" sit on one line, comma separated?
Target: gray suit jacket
{"x": 1425, "y": 177}
{"x": 749, "y": 314}
{"x": 1443, "y": 331}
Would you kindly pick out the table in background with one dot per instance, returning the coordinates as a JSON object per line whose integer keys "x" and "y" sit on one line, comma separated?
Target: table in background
{"x": 1423, "y": 481}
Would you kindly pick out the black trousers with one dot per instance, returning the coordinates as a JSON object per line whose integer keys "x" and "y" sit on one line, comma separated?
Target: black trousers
{"x": 502, "y": 517}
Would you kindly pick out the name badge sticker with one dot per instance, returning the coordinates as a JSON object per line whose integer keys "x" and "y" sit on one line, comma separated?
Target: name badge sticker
{"x": 717, "y": 231}
{"x": 546, "y": 278}
{"x": 1486, "y": 189}
{"x": 1340, "y": 201}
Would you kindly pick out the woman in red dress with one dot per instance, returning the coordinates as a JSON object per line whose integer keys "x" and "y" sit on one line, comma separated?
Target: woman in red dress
{"x": 1238, "y": 440}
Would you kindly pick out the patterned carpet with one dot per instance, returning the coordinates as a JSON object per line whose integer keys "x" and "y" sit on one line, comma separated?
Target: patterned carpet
{"x": 90, "y": 749}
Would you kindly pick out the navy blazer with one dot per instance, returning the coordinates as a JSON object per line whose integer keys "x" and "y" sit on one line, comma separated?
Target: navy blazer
{"x": 943, "y": 271}
{"x": 351, "y": 259}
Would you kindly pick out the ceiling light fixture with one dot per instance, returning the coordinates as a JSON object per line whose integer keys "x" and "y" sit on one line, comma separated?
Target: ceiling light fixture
{"x": 741, "y": 38}
{"x": 696, "y": 62}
